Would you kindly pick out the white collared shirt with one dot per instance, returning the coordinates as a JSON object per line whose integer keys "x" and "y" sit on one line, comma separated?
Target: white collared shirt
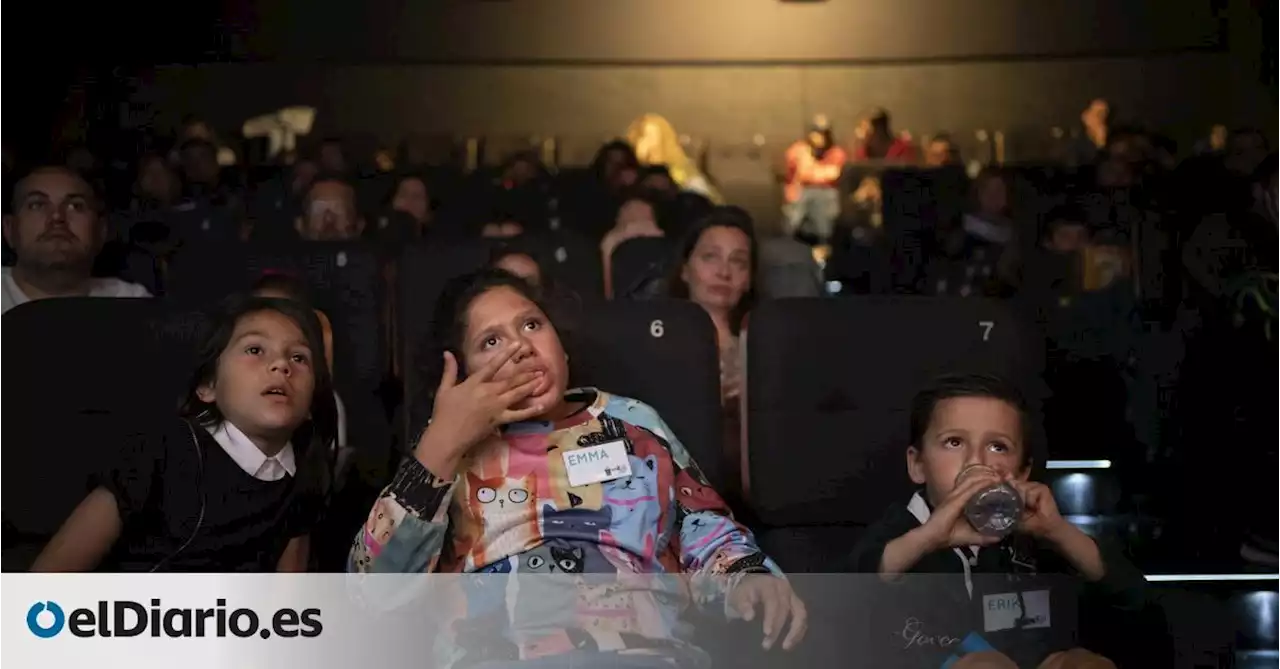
{"x": 250, "y": 458}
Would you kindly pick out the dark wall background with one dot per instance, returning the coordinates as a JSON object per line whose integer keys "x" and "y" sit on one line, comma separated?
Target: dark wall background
{"x": 759, "y": 31}
{"x": 739, "y": 76}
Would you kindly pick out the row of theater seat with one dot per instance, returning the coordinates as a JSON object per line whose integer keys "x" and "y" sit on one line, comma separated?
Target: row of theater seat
{"x": 828, "y": 383}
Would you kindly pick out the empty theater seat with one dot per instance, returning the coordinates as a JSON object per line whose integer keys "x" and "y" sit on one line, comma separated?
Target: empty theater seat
{"x": 81, "y": 373}
{"x": 829, "y": 385}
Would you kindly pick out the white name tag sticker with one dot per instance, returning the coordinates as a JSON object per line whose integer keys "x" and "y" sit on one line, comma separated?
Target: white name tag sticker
{"x": 1007, "y": 611}
{"x": 596, "y": 464}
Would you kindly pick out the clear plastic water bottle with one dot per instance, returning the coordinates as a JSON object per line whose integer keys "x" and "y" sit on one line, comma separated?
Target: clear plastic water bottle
{"x": 994, "y": 510}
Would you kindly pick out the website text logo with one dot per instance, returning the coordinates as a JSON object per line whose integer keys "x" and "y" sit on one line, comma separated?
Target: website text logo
{"x": 125, "y": 618}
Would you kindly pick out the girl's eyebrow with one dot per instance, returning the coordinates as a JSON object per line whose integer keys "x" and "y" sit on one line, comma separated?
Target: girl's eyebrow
{"x": 256, "y": 333}
{"x": 250, "y": 333}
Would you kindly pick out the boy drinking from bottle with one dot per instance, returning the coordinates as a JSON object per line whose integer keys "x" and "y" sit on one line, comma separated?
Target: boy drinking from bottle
{"x": 968, "y": 435}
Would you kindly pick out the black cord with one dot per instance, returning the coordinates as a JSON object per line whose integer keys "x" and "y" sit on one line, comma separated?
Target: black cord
{"x": 200, "y": 488}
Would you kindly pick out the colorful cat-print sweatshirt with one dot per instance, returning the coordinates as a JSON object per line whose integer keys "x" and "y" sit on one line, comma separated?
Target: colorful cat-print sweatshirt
{"x": 511, "y": 510}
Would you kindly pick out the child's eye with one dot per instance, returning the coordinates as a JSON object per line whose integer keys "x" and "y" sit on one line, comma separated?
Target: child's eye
{"x": 488, "y": 343}
{"x": 300, "y": 358}
{"x": 254, "y": 350}
{"x": 953, "y": 442}
{"x": 532, "y": 324}
{"x": 999, "y": 447}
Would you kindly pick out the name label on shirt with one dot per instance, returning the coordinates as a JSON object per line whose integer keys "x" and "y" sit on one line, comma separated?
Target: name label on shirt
{"x": 596, "y": 464}
{"x": 1006, "y": 612}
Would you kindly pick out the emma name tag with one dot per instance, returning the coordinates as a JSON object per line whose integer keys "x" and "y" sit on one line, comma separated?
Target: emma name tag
{"x": 595, "y": 464}
{"x": 1007, "y": 611}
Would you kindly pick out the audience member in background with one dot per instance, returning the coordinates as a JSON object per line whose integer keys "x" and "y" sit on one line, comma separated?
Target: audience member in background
{"x": 656, "y": 183}
{"x": 1054, "y": 274}
{"x": 384, "y": 160}
{"x": 1228, "y": 251}
{"x": 985, "y": 246}
{"x": 980, "y": 422}
{"x": 225, "y": 488}
{"x": 1093, "y": 134}
{"x": 859, "y": 258}
{"x": 56, "y": 230}
{"x": 636, "y": 218}
{"x": 333, "y": 157}
{"x": 329, "y": 211}
{"x": 615, "y": 166}
{"x": 876, "y": 140}
{"x": 1245, "y": 151}
{"x": 301, "y": 174}
{"x": 1215, "y": 143}
{"x": 194, "y": 127}
{"x": 489, "y": 489}
{"x": 157, "y": 187}
{"x": 503, "y": 226}
{"x": 200, "y": 172}
{"x": 284, "y": 286}
{"x": 657, "y": 143}
{"x": 814, "y": 166}
{"x": 521, "y": 169}
{"x": 522, "y": 263}
{"x": 717, "y": 260}
{"x": 941, "y": 151}
{"x": 412, "y": 197}
{"x": 1066, "y": 231}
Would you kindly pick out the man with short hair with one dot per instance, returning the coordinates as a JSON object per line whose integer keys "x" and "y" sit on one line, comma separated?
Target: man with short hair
{"x": 56, "y": 231}
{"x": 329, "y": 211}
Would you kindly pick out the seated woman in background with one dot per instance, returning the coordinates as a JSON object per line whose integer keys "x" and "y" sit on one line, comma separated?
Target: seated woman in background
{"x": 237, "y": 480}
{"x": 657, "y": 143}
{"x": 717, "y": 270}
{"x": 637, "y": 217}
{"x": 500, "y": 482}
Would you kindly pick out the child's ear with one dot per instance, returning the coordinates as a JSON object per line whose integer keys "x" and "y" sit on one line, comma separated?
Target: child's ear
{"x": 206, "y": 393}
{"x": 915, "y": 467}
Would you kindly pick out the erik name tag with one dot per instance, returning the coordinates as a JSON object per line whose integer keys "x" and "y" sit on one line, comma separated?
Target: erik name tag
{"x": 596, "y": 464}
{"x": 1007, "y": 611}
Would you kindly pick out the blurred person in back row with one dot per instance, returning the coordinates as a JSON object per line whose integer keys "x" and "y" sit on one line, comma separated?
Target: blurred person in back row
{"x": 637, "y": 217}
{"x": 329, "y": 211}
{"x": 969, "y": 432}
{"x": 56, "y": 230}
{"x": 814, "y": 166}
{"x": 517, "y": 475}
{"x": 236, "y": 481}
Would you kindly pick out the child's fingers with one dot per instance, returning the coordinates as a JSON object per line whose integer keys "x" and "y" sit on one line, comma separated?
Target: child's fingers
{"x": 450, "y": 376}
{"x": 487, "y": 372}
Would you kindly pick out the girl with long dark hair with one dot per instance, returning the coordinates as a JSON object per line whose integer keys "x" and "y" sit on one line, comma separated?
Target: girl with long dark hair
{"x": 236, "y": 480}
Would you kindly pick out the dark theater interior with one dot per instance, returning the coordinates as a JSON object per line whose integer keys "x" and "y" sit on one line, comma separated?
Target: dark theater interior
{"x": 823, "y": 269}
